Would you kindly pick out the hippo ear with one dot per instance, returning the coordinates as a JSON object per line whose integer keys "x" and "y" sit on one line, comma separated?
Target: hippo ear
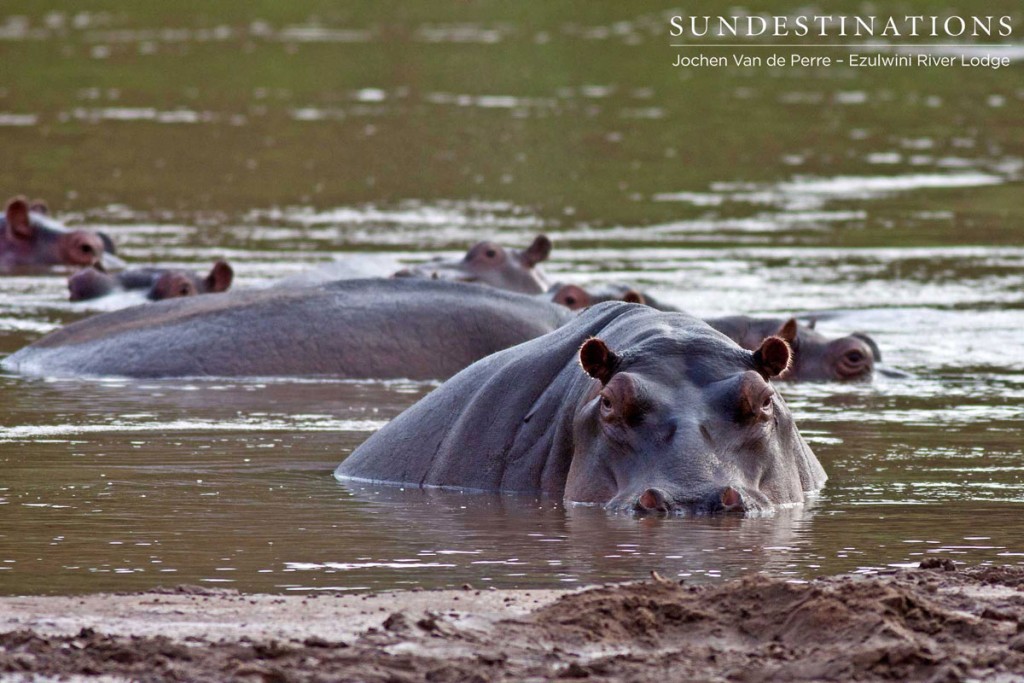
{"x": 631, "y": 296}
{"x": 572, "y": 297}
{"x": 773, "y": 357}
{"x": 18, "y": 223}
{"x": 219, "y": 279}
{"x": 108, "y": 244}
{"x": 598, "y": 360}
{"x": 788, "y": 331}
{"x": 539, "y": 251}
{"x": 39, "y": 206}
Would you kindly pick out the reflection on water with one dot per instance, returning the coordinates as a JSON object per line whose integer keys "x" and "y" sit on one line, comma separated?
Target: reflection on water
{"x": 881, "y": 201}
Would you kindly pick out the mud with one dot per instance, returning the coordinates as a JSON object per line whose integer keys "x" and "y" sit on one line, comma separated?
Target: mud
{"x": 927, "y": 624}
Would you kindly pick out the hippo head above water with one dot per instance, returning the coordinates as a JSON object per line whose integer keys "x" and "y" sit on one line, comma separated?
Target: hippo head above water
{"x": 690, "y": 434}
{"x": 156, "y": 283}
{"x": 30, "y": 238}
{"x": 624, "y": 407}
{"x": 491, "y": 264}
{"x": 816, "y": 358}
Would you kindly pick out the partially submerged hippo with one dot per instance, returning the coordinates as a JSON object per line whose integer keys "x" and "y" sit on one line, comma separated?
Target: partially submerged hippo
{"x": 492, "y": 264}
{"x": 360, "y": 329}
{"x": 815, "y": 356}
{"x": 155, "y": 283}
{"x": 28, "y": 237}
{"x": 629, "y": 294}
{"x": 625, "y": 407}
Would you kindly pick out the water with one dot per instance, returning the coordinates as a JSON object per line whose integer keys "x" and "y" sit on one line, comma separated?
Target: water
{"x": 886, "y": 202}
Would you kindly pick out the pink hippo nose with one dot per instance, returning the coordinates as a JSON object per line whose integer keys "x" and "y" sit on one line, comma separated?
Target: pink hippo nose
{"x": 731, "y": 500}
{"x": 653, "y": 500}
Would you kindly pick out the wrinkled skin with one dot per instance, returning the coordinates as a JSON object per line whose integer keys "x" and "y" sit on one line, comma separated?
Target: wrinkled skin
{"x": 625, "y": 407}
{"x": 491, "y": 264}
{"x": 156, "y": 283}
{"x": 29, "y": 237}
{"x": 357, "y": 329}
{"x": 816, "y": 358}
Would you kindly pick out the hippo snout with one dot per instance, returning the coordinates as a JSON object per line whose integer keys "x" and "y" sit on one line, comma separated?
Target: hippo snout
{"x": 726, "y": 499}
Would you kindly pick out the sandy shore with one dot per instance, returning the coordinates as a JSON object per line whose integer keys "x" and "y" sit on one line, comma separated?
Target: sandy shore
{"x": 931, "y": 624}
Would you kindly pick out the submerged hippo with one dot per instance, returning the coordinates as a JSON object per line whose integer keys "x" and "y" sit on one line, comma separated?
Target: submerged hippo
{"x": 29, "y": 237}
{"x": 156, "y": 283}
{"x": 492, "y": 264}
{"x": 359, "y": 329}
{"x": 629, "y": 294}
{"x": 625, "y": 407}
{"x": 816, "y": 358}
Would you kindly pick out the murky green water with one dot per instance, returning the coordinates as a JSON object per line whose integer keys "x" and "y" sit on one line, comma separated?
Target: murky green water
{"x": 321, "y": 141}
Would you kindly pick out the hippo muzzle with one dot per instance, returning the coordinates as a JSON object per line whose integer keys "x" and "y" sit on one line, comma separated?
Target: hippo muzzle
{"x": 656, "y": 500}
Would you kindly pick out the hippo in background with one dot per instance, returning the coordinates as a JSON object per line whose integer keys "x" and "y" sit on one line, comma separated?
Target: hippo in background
{"x": 629, "y": 294}
{"x": 29, "y": 237}
{"x": 491, "y": 264}
{"x": 816, "y": 358}
{"x": 155, "y": 283}
{"x": 625, "y": 407}
{"x": 355, "y": 329}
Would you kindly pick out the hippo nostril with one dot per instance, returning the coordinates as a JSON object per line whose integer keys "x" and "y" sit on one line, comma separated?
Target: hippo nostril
{"x": 731, "y": 499}
{"x": 653, "y": 500}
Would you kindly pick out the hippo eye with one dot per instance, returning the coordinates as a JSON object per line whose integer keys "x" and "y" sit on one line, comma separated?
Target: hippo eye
{"x": 606, "y": 402}
{"x": 766, "y": 405}
{"x": 86, "y": 249}
{"x": 490, "y": 253}
{"x": 854, "y": 356}
{"x": 183, "y": 291}
{"x": 570, "y": 301}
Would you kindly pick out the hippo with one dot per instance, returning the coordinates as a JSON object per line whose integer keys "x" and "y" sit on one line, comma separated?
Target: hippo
{"x": 491, "y": 264}
{"x": 29, "y": 237}
{"x": 156, "y": 283}
{"x": 573, "y": 297}
{"x": 624, "y": 406}
{"x": 630, "y": 294}
{"x": 816, "y": 358}
{"x": 358, "y": 329}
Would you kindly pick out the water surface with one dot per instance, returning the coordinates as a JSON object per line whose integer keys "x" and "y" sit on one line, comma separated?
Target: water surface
{"x": 885, "y": 202}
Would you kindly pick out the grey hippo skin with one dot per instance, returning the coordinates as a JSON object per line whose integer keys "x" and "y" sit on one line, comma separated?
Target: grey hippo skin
{"x": 816, "y": 358}
{"x": 625, "y": 407}
{"x": 488, "y": 263}
{"x": 29, "y": 237}
{"x": 359, "y": 329}
{"x": 156, "y": 283}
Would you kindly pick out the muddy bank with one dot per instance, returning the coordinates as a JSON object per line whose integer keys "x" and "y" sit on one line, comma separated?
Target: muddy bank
{"x": 930, "y": 624}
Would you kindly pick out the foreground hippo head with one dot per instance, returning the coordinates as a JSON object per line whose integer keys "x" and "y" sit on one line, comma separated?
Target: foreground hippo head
{"x": 492, "y": 264}
{"x": 654, "y": 439}
{"x": 157, "y": 283}
{"x": 816, "y": 358}
{"x": 29, "y": 238}
{"x": 624, "y": 406}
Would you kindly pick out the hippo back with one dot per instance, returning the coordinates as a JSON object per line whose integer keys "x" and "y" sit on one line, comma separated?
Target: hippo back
{"x": 498, "y": 425}
{"x": 370, "y": 329}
